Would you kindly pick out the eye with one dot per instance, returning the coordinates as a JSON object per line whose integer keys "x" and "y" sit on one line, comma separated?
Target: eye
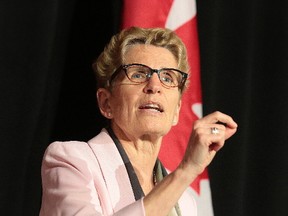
{"x": 169, "y": 77}
{"x": 137, "y": 73}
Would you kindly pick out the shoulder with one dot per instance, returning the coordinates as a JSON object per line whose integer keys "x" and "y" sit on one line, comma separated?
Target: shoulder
{"x": 79, "y": 153}
{"x": 66, "y": 148}
{"x": 63, "y": 158}
{"x": 68, "y": 157}
{"x": 73, "y": 148}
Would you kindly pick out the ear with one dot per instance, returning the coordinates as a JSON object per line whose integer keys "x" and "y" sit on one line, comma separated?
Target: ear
{"x": 176, "y": 114}
{"x": 103, "y": 99}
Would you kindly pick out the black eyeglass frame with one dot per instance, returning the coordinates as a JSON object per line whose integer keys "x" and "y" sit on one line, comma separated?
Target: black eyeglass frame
{"x": 184, "y": 75}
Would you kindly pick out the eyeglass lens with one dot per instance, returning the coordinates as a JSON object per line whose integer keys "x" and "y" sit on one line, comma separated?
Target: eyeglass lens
{"x": 142, "y": 73}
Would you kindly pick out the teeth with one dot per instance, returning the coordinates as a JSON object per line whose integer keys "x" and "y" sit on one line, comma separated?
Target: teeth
{"x": 152, "y": 106}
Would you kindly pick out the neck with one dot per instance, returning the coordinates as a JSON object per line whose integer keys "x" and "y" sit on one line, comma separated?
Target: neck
{"x": 142, "y": 146}
{"x": 142, "y": 153}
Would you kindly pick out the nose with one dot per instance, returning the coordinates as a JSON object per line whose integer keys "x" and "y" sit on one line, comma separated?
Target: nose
{"x": 153, "y": 85}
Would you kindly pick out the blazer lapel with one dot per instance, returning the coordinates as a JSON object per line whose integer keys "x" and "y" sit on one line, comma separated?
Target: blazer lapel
{"x": 113, "y": 170}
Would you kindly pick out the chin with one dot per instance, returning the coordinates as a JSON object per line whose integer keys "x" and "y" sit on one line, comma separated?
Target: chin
{"x": 158, "y": 130}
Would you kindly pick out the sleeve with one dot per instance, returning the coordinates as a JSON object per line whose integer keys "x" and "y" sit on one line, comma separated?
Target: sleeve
{"x": 72, "y": 186}
{"x": 187, "y": 204}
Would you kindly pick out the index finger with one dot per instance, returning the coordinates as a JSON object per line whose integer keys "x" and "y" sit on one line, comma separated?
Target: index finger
{"x": 218, "y": 117}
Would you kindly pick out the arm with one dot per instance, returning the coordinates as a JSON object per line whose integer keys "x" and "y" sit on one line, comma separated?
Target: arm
{"x": 201, "y": 150}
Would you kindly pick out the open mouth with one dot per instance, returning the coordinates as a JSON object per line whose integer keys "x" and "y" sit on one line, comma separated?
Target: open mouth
{"x": 152, "y": 106}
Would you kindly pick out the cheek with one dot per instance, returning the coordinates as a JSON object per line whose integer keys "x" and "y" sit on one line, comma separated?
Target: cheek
{"x": 118, "y": 105}
{"x": 121, "y": 104}
{"x": 176, "y": 110}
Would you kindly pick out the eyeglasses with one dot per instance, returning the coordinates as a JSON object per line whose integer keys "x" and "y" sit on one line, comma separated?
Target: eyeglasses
{"x": 139, "y": 73}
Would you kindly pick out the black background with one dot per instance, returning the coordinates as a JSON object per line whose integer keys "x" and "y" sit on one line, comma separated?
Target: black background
{"x": 47, "y": 93}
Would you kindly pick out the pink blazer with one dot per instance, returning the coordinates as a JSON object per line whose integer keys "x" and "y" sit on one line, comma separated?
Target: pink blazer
{"x": 80, "y": 178}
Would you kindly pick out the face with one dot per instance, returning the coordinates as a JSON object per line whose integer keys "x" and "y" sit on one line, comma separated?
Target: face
{"x": 147, "y": 109}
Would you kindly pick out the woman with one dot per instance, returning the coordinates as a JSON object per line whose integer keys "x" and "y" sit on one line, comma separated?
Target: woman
{"x": 141, "y": 76}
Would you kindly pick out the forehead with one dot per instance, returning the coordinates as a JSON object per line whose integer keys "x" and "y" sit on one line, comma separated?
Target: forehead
{"x": 152, "y": 56}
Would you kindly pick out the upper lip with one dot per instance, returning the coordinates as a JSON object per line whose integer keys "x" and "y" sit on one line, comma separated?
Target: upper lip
{"x": 152, "y": 105}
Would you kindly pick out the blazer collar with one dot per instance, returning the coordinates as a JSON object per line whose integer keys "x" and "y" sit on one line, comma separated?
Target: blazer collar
{"x": 113, "y": 170}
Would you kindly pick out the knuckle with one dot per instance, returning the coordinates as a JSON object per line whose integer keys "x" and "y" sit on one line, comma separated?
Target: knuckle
{"x": 196, "y": 124}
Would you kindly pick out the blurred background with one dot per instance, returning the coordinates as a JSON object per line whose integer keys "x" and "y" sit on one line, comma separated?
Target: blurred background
{"x": 47, "y": 93}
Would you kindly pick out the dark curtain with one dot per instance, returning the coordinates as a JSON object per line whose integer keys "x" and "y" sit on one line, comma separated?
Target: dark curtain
{"x": 33, "y": 41}
{"x": 244, "y": 60}
{"x": 48, "y": 93}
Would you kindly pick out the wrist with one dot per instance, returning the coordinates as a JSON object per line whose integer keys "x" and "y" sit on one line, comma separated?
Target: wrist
{"x": 185, "y": 176}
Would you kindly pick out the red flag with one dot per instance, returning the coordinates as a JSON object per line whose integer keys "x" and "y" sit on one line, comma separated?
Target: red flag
{"x": 179, "y": 16}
